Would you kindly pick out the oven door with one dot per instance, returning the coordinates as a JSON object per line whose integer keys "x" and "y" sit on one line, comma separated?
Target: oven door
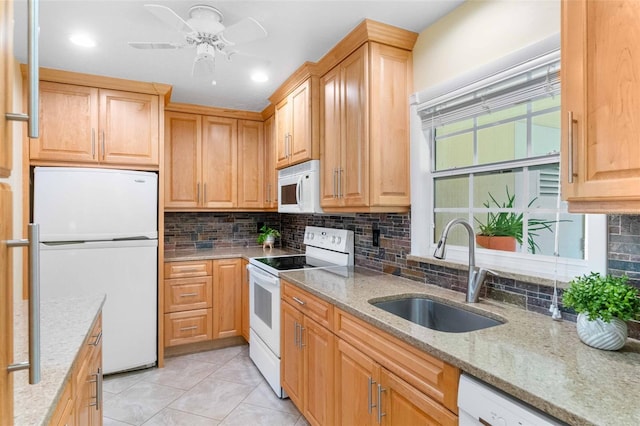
{"x": 264, "y": 305}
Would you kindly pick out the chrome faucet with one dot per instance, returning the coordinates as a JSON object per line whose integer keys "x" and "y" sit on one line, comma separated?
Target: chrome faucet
{"x": 476, "y": 276}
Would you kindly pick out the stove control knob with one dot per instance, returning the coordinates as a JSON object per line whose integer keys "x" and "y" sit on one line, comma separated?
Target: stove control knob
{"x": 310, "y": 235}
{"x": 333, "y": 239}
{"x": 339, "y": 240}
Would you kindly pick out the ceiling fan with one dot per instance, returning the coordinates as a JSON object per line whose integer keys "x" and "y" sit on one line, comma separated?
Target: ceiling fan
{"x": 205, "y": 32}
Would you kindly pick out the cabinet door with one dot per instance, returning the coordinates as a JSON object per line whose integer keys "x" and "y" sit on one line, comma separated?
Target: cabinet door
{"x": 354, "y": 153}
{"x": 219, "y": 162}
{"x": 182, "y": 153}
{"x": 300, "y": 139}
{"x": 227, "y": 315}
{"x": 291, "y": 355}
{"x": 6, "y": 302}
{"x": 283, "y": 129}
{"x": 250, "y": 164}
{"x": 330, "y": 138}
{"x": 245, "y": 300}
{"x": 95, "y": 381}
{"x": 356, "y": 377}
{"x": 401, "y": 404}
{"x": 390, "y": 87}
{"x": 68, "y": 124}
{"x": 600, "y": 68}
{"x": 129, "y": 131}
{"x": 318, "y": 347}
{"x": 270, "y": 172}
{"x": 7, "y": 63}
{"x": 182, "y": 294}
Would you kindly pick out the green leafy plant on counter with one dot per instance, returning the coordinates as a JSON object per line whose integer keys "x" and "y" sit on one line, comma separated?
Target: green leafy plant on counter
{"x": 510, "y": 224}
{"x": 603, "y": 297}
{"x": 265, "y": 232}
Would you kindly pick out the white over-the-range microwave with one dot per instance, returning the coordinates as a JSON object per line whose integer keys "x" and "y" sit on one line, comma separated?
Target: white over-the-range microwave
{"x": 299, "y": 188}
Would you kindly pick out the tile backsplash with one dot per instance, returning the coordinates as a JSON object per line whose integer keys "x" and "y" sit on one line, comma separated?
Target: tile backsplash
{"x": 206, "y": 230}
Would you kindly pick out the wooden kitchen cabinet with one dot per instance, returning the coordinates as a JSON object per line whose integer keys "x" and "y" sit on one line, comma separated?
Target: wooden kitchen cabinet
{"x": 251, "y": 164}
{"x": 227, "y": 303}
{"x": 415, "y": 388}
{"x": 307, "y": 350}
{"x": 270, "y": 172}
{"x": 600, "y": 106}
{"x": 188, "y": 302}
{"x": 245, "y": 299}
{"x": 81, "y": 124}
{"x": 219, "y": 162}
{"x": 365, "y": 131}
{"x": 296, "y": 125}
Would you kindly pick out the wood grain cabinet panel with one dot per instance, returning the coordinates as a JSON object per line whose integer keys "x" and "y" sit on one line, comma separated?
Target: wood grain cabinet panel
{"x": 219, "y": 162}
{"x": 187, "y": 269}
{"x": 7, "y": 63}
{"x": 227, "y": 303}
{"x": 297, "y": 125}
{"x": 365, "y": 131}
{"x": 187, "y": 327}
{"x": 245, "y": 299}
{"x": 270, "y": 172}
{"x": 181, "y": 294}
{"x": 600, "y": 107}
{"x": 96, "y": 126}
{"x": 251, "y": 164}
{"x": 307, "y": 354}
{"x": 182, "y": 165}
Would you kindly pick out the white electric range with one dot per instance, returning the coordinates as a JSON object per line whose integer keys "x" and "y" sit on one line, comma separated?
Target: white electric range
{"x": 324, "y": 248}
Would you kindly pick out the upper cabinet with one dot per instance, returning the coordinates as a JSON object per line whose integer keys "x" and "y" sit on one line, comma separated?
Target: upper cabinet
{"x": 95, "y": 122}
{"x": 364, "y": 124}
{"x": 297, "y": 124}
{"x": 600, "y": 106}
{"x": 211, "y": 161}
{"x": 270, "y": 172}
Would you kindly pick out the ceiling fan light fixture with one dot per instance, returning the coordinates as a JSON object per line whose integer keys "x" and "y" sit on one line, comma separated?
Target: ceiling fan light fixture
{"x": 82, "y": 39}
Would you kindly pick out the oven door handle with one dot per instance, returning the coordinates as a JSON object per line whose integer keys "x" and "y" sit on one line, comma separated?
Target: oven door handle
{"x": 261, "y": 277}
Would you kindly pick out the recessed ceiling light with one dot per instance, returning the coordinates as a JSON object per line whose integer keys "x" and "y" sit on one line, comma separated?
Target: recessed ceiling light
{"x": 83, "y": 40}
{"x": 259, "y": 76}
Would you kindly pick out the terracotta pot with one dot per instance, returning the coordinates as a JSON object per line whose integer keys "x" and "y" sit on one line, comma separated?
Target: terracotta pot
{"x": 496, "y": 243}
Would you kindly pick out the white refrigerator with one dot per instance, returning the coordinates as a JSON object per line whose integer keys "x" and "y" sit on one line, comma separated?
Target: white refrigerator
{"x": 99, "y": 234}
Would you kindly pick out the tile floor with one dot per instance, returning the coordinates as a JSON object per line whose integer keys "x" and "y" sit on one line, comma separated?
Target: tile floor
{"x": 220, "y": 387}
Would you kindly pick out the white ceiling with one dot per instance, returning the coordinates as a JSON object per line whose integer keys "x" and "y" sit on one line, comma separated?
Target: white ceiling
{"x": 298, "y": 31}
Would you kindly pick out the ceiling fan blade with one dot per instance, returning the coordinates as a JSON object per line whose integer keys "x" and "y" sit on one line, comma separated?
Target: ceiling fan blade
{"x": 169, "y": 17}
{"x": 156, "y": 45}
{"x": 244, "y": 31}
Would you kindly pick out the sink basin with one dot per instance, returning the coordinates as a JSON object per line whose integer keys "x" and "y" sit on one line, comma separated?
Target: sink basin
{"x": 435, "y": 315}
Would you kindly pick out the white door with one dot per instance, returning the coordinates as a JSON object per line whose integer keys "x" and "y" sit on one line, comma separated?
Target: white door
{"x": 126, "y": 271}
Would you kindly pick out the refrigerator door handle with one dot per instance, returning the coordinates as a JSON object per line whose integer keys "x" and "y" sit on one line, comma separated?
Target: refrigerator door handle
{"x": 34, "y": 304}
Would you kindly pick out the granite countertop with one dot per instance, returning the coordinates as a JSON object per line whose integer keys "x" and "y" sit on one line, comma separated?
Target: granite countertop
{"x": 531, "y": 357}
{"x": 65, "y": 324}
{"x": 222, "y": 253}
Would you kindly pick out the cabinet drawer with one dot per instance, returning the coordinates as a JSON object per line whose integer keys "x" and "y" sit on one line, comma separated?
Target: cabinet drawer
{"x": 182, "y": 294}
{"x": 196, "y": 268}
{"x": 310, "y": 305}
{"x": 429, "y": 375}
{"x": 187, "y": 327}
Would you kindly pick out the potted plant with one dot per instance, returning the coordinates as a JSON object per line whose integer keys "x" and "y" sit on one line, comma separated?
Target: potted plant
{"x": 603, "y": 304}
{"x": 268, "y": 236}
{"x": 502, "y": 230}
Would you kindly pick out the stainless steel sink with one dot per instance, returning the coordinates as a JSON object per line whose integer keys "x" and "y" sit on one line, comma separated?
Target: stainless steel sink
{"x": 435, "y": 315}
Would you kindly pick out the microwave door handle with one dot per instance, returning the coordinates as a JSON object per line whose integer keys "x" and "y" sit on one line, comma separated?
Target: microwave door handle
{"x": 299, "y": 191}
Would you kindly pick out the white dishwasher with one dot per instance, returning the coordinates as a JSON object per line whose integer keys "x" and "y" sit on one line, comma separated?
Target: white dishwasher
{"x": 481, "y": 404}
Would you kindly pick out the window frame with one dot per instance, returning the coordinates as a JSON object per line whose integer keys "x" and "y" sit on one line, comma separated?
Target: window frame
{"x": 422, "y": 180}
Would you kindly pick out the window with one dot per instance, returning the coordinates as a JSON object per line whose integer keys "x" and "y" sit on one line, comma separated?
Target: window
{"x": 491, "y": 156}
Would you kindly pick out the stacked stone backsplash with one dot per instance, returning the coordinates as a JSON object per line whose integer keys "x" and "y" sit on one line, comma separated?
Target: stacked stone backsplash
{"x": 209, "y": 230}
{"x": 206, "y": 230}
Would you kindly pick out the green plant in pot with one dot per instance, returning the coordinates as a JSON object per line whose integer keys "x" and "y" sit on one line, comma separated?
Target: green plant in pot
{"x": 268, "y": 236}
{"x": 509, "y": 225}
{"x": 603, "y": 304}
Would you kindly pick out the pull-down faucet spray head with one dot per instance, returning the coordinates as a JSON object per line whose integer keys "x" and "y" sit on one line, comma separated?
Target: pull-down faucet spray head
{"x": 440, "y": 249}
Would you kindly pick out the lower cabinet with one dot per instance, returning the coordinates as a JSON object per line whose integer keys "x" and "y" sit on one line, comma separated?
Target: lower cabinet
{"x": 202, "y": 301}
{"x": 307, "y": 359}
{"x": 81, "y": 402}
{"x": 344, "y": 371}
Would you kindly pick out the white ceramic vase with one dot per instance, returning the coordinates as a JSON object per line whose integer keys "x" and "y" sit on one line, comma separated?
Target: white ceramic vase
{"x": 601, "y": 335}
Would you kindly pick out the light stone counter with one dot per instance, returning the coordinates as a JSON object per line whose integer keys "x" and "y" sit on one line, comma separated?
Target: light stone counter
{"x": 531, "y": 357}
{"x": 221, "y": 253}
{"x": 65, "y": 324}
